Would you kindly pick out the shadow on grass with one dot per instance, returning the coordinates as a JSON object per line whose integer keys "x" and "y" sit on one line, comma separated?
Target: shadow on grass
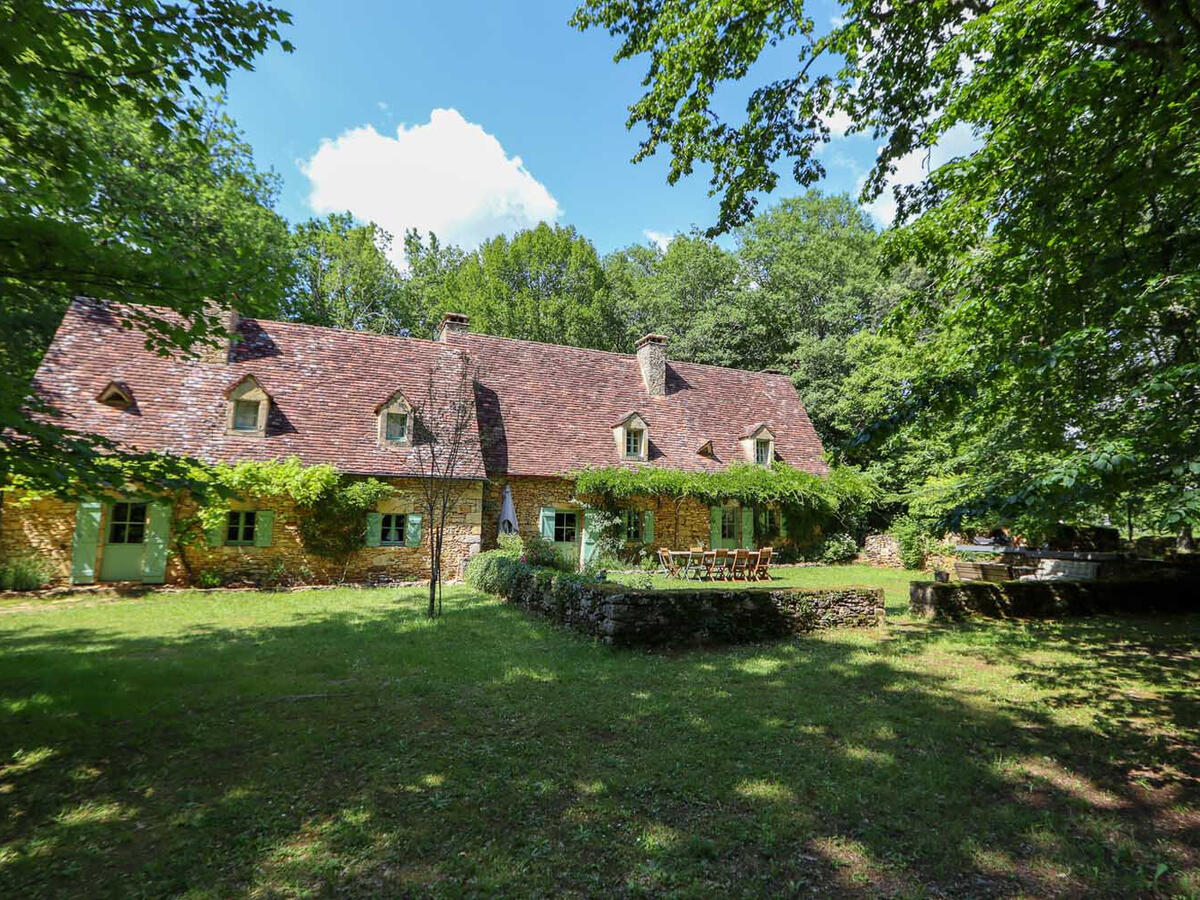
{"x": 371, "y": 752}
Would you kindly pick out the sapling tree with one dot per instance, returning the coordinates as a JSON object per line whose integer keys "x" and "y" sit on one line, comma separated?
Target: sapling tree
{"x": 446, "y": 448}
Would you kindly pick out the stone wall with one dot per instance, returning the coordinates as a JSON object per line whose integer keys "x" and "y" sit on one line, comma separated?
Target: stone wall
{"x": 628, "y": 617}
{"x": 43, "y": 528}
{"x": 881, "y": 550}
{"x": 46, "y": 528}
{"x": 1053, "y": 599}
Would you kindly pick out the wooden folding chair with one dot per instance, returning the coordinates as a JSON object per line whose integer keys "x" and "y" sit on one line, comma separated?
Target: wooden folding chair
{"x": 720, "y": 558}
{"x": 752, "y": 565}
{"x": 741, "y": 559}
{"x": 708, "y": 559}
{"x": 764, "y": 563}
{"x": 668, "y": 564}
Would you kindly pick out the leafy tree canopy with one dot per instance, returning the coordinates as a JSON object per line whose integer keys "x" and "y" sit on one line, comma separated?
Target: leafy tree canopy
{"x": 1060, "y": 341}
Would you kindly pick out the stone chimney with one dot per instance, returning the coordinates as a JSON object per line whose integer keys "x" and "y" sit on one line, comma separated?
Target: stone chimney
{"x": 652, "y": 357}
{"x": 453, "y": 323}
{"x": 227, "y": 322}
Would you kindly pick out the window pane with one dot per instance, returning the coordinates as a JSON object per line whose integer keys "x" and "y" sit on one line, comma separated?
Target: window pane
{"x": 633, "y": 443}
{"x": 729, "y": 523}
{"x": 762, "y": 452}
{"x": 393, "y": 529}
{"x": 116, "y": 533}
{"x": 397, "y": 426}
{"x": 232, "y": 527}
{"x": 137, "y": 512}
{"x": 564, "y": 527}
{"x": 248, "y": 527}
{"x": 134, "y": 534}
{"x": 633, "y": 525}
{"x": 245, "y": 415}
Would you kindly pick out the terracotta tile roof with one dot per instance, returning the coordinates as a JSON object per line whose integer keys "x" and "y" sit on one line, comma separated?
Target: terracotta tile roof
{"x": 543, "y": 409}
{"x": 324, "y": 383}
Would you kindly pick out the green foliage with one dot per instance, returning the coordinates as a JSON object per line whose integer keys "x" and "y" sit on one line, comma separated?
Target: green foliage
{"x": 543, "y": 284}
{"x": 209, "y": 578}
{"x": 344, "y": 278}
{"x": 532, "y": 549}
{"x": 494, "y": 571}
{"x": 840, "y": 495}
{"x": 835, "y": 548}
{"x": 913, "y": 541}
{"x": 23, "y": 573}
{"x": 1057, "y": 347}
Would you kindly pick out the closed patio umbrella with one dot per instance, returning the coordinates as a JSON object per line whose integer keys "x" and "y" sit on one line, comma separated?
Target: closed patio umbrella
{"x": 508, "y": 513}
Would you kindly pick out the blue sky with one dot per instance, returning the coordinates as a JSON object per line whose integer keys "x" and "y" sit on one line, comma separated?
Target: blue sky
{"x": 531, "y": 123}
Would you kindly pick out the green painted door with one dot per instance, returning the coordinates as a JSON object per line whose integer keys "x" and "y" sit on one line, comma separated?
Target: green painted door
{"x": 561, "y": 528}
{"x": 726, "y": 527}
{"x": 124, "y": 542}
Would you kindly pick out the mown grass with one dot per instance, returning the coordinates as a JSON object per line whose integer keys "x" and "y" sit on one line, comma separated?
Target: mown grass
{"x": 336, "y": 742}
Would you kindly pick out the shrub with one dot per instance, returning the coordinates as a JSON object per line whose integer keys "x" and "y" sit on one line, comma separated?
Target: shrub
{"x": 23, "y": 573}
{"x": 837, "y": 548}
{"x": 532, "y": 549}
{"x": 914, "y": 543}
{"x": 209, "y": 578}
{"x": 494, "y": 571}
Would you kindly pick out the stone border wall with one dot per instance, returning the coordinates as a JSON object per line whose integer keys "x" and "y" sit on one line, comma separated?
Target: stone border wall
{"x": 1052, "y": 599}
{"x": 629, "y": 617}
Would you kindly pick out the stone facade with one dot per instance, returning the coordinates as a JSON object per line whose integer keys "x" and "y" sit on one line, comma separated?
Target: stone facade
{"x": 628, "y": 617}
{"x": 676, "y": 525}
{"x": 46, "y": 528}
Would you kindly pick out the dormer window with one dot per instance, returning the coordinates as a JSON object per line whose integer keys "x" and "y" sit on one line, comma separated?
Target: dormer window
{"x": 633, "y": 442}
{"x": 249, "y": 404}
{"x": 395, "y": 421}
{"x": 632, "y": 438}
{"x": 116, "y": 395}
{"x": 395, "y": 427}
{"x": 245, "y": 415}
{"x": 758, "y": 444}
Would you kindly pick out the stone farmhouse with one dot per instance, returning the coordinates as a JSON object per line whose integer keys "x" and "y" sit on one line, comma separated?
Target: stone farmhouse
{"x": 324, "y": 395}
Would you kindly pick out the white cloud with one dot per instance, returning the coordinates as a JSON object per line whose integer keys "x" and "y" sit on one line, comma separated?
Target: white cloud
{"x": 660, "y": 239}
{"x": 448, "y": 176}
{"x": 913, "y": 168}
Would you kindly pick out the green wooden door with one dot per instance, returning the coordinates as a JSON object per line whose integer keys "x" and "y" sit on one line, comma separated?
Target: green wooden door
{"x": 561, "y": 528}
{"x": 124, "y": 541}
{"x": 726, "y": 526}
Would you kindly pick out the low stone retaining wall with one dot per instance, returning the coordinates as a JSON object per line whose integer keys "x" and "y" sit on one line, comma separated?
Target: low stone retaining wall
{"x": 634, "y": 617}
{"x": 1052, "y": 599}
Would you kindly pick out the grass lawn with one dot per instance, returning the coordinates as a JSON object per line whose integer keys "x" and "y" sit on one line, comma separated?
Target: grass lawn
{"x": 336, "y": 742}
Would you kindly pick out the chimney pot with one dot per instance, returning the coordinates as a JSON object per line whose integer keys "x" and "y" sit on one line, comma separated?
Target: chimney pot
{"x": 453, "y": 323}
{"x": 652, "y": 358}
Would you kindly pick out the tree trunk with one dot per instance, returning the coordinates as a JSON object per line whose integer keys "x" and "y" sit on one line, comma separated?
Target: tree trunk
{"x": 1185, "y": 541}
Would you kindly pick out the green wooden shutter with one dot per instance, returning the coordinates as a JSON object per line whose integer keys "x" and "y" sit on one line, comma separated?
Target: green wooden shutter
{"x": 85, "y": 542}
{"x": 589, "y": 540}
{"x": 216, "y": 534}
{"x": 158, "y": 534}
{"x": 264, "y": 523}
{"x": 546, "y": 522}
{"x": 714, "y": 526}
{"x": 412, "y": 530}
{"x": 374, "y": 529}
{"x": 648, "y": 528}
{"x": 748, "y": 527}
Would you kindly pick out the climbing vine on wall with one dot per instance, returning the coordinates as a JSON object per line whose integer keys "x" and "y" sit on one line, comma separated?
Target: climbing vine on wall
{"x": 842, "y": 495}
